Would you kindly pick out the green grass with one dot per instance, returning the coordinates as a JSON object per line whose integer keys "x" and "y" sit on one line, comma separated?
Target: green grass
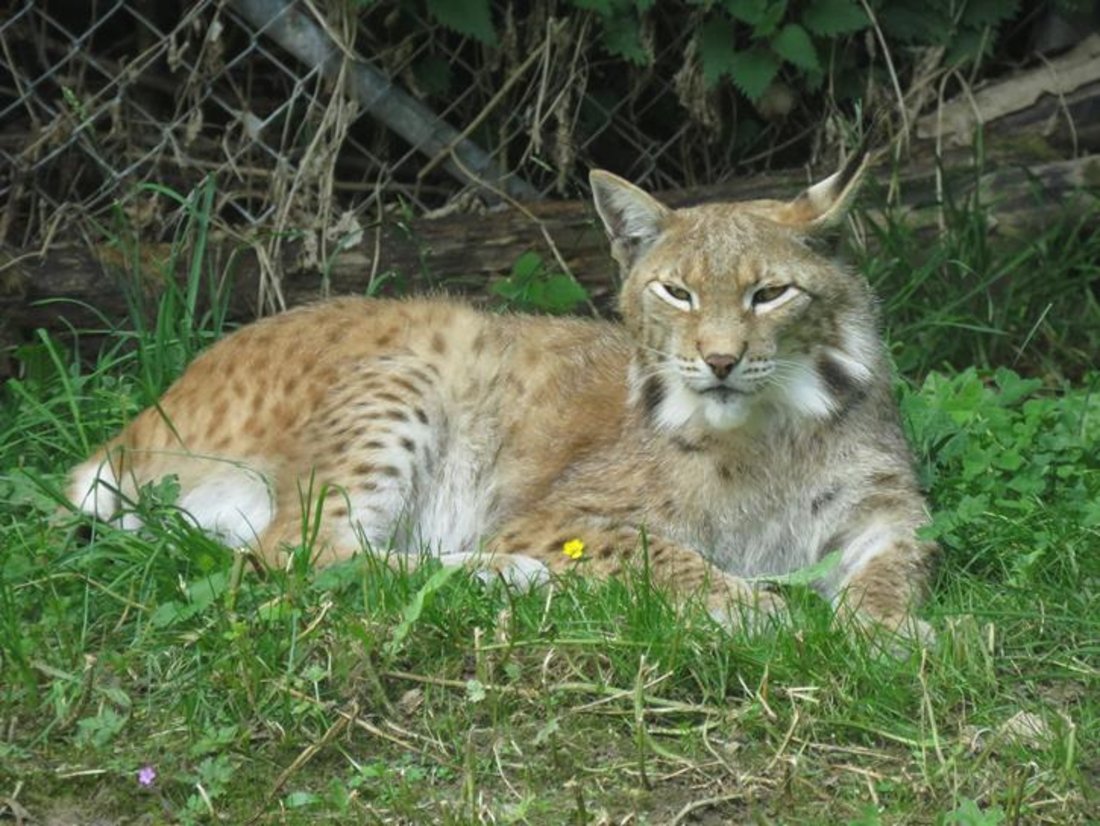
{"x": 967, "y": 296}
{"x": 363, "y": 694}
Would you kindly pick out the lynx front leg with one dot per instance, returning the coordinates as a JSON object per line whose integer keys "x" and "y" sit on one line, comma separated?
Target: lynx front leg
{"x": 884, "y": 575}
{"x": 560, "y": 540}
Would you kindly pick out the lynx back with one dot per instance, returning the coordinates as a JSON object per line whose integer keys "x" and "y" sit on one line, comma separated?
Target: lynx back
{"x": 740, "y": 416}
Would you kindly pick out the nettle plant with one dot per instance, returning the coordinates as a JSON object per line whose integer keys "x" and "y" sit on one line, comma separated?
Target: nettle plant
{"x": 754, "y": 43}
{"x": 1013, "y": 469}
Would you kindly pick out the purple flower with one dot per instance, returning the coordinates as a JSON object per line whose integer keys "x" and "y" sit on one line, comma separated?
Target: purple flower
{"x": 146, "y": 776}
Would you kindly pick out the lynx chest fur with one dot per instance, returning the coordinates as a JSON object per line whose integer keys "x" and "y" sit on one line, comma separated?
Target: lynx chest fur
{"x": 739, "y": 417}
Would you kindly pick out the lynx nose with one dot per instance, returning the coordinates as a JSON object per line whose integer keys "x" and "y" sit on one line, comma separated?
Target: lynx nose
{"x": 721, "y": 364}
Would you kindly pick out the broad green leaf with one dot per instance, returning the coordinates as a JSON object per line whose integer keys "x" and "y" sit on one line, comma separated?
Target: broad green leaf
{"x": 274, "y": 611}
{"x": 531, "y": 287}
{"x": 527, "y": 265}
{"x": 967, "y": 46}
{"x": 716, "y": 51}
{"x": 561, "y": 294}
{"x": 339, "y": 575}
{"x": 411, "y": 614}
{"x": 509, "y": 290}
{"x": 832, "y": 17}
{"x": 795, "y": 46}
{"x": 168, "y": 613}
{"x": 970, "y": 814}
{"x": 201, "y": 594}
{"x": 204, "y": 591}
{"x": 807, "y": 575}
{"x": 1013, "y": 387}
{"x": 1090, "y": 516}
{"x": 753, "y": 12}
{"x": 763, "y": 15}
{"x": 100, "y": 730}
{"x": 769, "y": 22}
{"x": 753, "y": 71}
{"x": 1009, "y": 460}
{"x": 622, "y": 37}
{"x": 298, "y": 800}
{"x": 472, "y": 18}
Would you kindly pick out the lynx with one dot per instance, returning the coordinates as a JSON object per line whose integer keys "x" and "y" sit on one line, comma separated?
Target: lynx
{"x": 738, "y": 422}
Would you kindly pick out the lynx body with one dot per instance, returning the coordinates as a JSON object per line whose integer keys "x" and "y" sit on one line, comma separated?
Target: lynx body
{"x": 740, "y": 415}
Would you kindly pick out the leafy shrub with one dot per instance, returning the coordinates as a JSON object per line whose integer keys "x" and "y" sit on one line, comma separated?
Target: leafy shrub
{"x": 1014, "y": 471}
{"x": 674, "y": 93}
{"x": 750, "y": 41}
{"x": 532, "y": 286}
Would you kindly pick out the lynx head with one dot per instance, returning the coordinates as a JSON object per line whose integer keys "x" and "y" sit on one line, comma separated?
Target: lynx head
{"x": 734, "y": 313}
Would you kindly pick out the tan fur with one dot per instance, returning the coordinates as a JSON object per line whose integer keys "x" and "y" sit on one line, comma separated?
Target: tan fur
{"x": 745, "y": 438}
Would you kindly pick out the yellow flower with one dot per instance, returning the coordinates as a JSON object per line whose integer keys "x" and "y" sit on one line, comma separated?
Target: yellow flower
{"x": 574, "y": 549}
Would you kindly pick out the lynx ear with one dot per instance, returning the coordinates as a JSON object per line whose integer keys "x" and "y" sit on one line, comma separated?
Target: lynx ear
{"x": 633, "y": 218}
{"x": 824, "y": 204}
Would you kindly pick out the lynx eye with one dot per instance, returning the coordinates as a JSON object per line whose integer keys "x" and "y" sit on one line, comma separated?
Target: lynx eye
{"x": 765, "y": 298}
{"x": 679, "y": 293}
{"x": 674, "y": 294}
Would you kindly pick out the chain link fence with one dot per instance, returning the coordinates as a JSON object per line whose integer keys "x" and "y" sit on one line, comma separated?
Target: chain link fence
{"x": 110, "y": 109}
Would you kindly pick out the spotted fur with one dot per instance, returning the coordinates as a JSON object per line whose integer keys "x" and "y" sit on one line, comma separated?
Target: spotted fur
{"x": 740, "y": 417}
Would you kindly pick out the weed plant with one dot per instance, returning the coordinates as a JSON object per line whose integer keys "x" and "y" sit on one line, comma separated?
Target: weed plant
{"x": 154, "y": 677}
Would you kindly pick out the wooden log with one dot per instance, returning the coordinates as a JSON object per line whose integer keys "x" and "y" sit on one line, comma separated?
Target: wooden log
{"x": 465, "y": 251}
{"x": 1057, "y": 101}
{"x": 75, "y": 288}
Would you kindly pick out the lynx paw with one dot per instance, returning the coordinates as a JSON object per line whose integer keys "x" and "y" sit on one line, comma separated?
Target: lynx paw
{"x": 896, "y": 636}
{"x": 918, "y": 631}
{"x": 747, "y": 607}
{"x": 519, "y": 572}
